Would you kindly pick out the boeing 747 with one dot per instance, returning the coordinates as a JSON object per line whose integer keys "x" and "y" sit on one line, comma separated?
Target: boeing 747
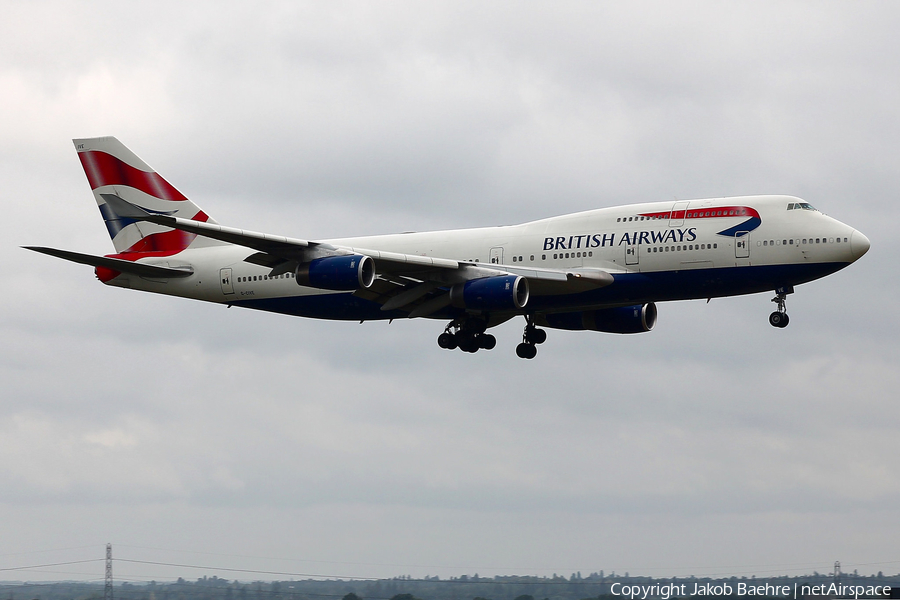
{"x": 599, "y": 270}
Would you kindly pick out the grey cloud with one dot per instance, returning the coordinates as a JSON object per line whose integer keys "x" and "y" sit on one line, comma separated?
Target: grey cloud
{"x": 167, "y": 423}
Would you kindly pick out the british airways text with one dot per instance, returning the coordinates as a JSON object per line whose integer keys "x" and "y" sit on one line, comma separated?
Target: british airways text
{"x": 599, "y": 240}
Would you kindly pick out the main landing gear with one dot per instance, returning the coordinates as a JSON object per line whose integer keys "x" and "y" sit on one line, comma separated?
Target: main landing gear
{"x": 530, "y": 339}
{"x": 468, "y": 335}
{"x": 780, "y": 318}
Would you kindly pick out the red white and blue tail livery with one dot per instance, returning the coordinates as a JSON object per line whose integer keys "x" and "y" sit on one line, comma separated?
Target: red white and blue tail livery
{"x": 599, "y": 270}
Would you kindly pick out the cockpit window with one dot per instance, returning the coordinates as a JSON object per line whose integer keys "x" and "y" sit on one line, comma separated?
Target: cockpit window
{"x": 800, "y": 205}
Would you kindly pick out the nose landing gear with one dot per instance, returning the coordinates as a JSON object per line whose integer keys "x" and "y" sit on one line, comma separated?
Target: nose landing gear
{"x": 780, "y": 318}
{"x": 468, "y": 335}
{"x": 530, "y": 339}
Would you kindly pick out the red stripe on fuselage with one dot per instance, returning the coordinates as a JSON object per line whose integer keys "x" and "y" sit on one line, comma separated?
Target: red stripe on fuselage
{"x": 104, "y": 169}
{"x": 705, "y": 213}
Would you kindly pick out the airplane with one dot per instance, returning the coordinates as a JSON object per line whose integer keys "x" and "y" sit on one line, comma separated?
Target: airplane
{"x": 599, "y": 270}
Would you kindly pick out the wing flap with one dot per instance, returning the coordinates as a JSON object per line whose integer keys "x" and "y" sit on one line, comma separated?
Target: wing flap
{"x": 409, "y": 295}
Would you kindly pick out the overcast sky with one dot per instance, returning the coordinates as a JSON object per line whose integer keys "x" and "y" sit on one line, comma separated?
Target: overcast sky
{"x": 189, "y": 433}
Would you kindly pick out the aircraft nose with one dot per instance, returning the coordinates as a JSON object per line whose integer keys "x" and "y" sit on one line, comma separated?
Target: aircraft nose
{"x": 859, "y": 244}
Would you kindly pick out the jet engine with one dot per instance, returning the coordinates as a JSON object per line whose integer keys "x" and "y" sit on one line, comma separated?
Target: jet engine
{"x": 624, "y": 319}
{"x": 337, "y": 272}
{"x": 503, "y": 292}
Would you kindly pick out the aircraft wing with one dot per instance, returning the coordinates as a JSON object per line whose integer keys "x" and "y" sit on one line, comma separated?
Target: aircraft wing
{"x": 417, "y": 284}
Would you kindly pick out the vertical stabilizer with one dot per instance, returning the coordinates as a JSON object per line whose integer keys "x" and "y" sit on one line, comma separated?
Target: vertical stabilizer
{"x": 113, "y": 169}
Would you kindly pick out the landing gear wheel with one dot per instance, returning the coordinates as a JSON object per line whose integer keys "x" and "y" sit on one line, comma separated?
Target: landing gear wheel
{"x": 467, "y": 334}
{"x": 447, "y": 341}
{"x": 487, "y": 341}
{"x": 531, "y": 337}
{"x": 779, "y": 318}
{"x": 525, "y": 350}
{"x": 467, "y": 343}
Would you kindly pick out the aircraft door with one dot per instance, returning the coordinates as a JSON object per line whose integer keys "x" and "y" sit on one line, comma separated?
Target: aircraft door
{"x": 225, "y": 278}
{"x": 676, "y": 218}
{"x": 632, "y": 255}
{"x": 497, "y": 255}
{"x": 742, "y": 244}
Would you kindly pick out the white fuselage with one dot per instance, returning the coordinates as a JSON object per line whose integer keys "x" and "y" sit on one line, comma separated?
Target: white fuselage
{"x": 656, "y": 251}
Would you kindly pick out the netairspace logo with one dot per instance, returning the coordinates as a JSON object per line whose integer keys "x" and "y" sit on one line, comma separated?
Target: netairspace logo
{"x": 672, "y": 590}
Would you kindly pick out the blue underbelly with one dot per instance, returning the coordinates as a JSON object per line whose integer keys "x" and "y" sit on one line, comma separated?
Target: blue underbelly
{"x": 628, "y": 288}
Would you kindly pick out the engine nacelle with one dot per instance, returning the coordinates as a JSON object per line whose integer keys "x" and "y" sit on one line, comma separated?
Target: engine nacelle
{"x": 337, "y": 272}
{"x": 624, "y": 319}
{"x": 503, "y": 292}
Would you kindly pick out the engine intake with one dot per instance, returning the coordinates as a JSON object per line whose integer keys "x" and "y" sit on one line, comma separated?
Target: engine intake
{"x": 624, "y": 319}
{"x": 503, "y": 292}
{"x": 337, "y": 272}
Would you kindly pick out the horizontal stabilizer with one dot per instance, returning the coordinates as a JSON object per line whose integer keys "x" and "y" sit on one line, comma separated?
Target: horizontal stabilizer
{"x": 116, "y": 264}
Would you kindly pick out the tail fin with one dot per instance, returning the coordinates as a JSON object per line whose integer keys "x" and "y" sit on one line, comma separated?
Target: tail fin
{"x": 111, "y": 168}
